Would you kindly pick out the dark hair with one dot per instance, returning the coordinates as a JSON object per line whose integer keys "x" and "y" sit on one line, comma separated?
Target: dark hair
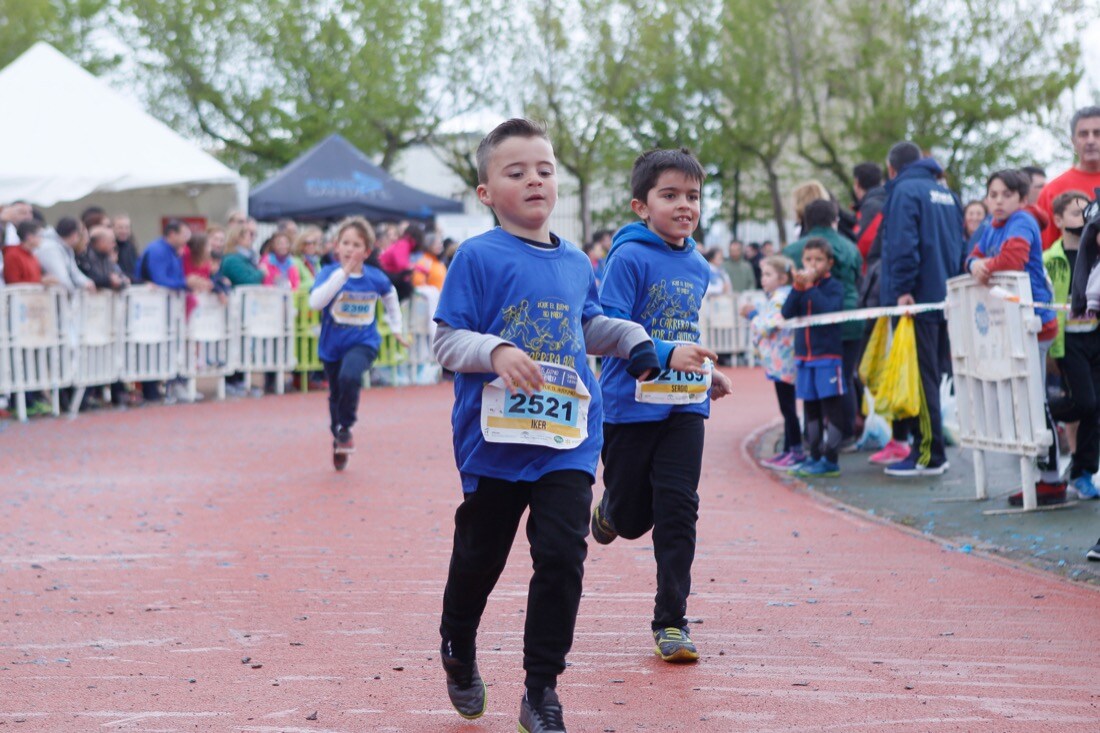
{"x": 601, "y": 233}
{"x": 820, "y": 213}
{"x": 651, "y": 164}
{"x": 415, "y": 233}
{"x": 27, "y": 228}
{"x": 1081, "y": 114}
{"x": 903, "y": 154}
{"x": 1062, "y": 201}
{"x": 1033, "y": 170}
{"x": 976, "y": 202}
{"x": 198, "y": 248}
{"x": 1014, "y": 180}
{"x": 515, "y": 127}
{"x": 819, "y": 243}
{"x": 868, "y": 175}
{"x": 173, "y": 226}
{"x": 66, "y": 225}
{"x": 711, "y": 253}
{"x": 281, "y": 224}
{"x": 93, "y": 216}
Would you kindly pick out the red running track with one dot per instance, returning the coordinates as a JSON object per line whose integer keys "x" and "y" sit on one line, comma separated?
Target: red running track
{"x": 144, "y": 556}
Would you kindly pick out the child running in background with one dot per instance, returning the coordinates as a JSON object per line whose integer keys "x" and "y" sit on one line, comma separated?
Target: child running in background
{"x": 347, "y": 295}
{"x": 518, "y": 313}
{"x": 776, "y": 347}
{"x": 1012, "y": 243}
{"x": 819, "y": 379}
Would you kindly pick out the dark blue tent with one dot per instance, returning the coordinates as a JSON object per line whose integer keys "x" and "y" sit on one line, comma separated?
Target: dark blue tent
{"x": 333, "y": 180}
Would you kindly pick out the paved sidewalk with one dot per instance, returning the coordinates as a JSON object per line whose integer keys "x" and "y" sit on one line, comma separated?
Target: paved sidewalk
{"x": 202, "y": 568}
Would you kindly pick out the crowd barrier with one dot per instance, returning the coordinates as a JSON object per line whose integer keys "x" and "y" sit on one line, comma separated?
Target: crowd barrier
{"x": 998, "y": 382}
{"x": 50, "y": 340}
{"x": 723, "y": 330}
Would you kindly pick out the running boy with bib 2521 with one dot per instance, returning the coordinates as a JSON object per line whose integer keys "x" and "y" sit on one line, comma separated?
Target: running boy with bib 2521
{"x": 517, "y": 316}
{"x": 653, "y": 432}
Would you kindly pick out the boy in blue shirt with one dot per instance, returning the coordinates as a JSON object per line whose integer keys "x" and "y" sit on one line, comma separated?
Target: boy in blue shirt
{"x": 347, "y": 294}
{"x": 517, "y": 315}
{"x": 653, "y": 433}
{"x": 818, "y": 352}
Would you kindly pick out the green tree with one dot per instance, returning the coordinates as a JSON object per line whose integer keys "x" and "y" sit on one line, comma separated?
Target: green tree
{"x": 267, "y": 79}
{"x": 70, "y": 26}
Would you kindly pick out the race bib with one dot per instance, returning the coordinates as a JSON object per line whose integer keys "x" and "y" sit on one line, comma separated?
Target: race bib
{"x": 554, "y": 417}
{"x": 675, "y": 388}
{"x": 352, "y": 308}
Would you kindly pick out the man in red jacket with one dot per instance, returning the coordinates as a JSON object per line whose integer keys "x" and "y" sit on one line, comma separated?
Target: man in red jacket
{"x": 20, "y": 264}
{"x": 1085, "y": 176}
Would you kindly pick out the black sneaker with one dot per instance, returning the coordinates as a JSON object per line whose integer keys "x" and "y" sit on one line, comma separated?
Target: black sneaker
{"x": 545, "y": 717}
{"x": 339, "y": 457}
{"x": 674, "y": 645}
{"x": 602, "y": 531}
{"x": 464, "y": 685}
{"x": 1094, "y": 552}
{"x": 344, "y": 441}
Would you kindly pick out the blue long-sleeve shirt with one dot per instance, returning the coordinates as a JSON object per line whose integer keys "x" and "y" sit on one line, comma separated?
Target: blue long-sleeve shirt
{"x": 161, "y": 265}
{"x": 817, "y": 342}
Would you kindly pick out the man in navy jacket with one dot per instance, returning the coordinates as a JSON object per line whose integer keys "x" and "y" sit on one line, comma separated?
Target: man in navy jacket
{"x": 922, "y": 241}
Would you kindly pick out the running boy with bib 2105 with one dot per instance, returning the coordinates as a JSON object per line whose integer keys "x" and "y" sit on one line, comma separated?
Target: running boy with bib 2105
{"x": 517, "y": 316}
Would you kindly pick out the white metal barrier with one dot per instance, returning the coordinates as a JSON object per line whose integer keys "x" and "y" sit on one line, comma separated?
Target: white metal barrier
{"x": 721, "y": 327}
{"x": 96, "y": 343}
{"x": 209, "y": 345}
{"x": 264, "y": 318}
{"x": 152, "y": 328}
{"x": 421, "y": 329}
{"x": 995, "y": 358}
{"x": 36, "y": 343}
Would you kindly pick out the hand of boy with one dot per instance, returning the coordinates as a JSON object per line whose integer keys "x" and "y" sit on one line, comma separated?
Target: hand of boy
{"x": 519, "y": 371}
{"x": 980, "y": 270}
{"x": 720, "y": 385}
{"x": 746, "y": 309}
{"x": 355, "y": 260}
{"x": 805, "y": 278}
{"x": 691, "y": 358}
{"x": 404, "y": 341}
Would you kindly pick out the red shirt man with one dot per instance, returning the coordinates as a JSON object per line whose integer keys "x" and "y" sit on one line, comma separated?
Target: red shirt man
{"x": 20, "y": 264}
{"x": 1085, "y": 176}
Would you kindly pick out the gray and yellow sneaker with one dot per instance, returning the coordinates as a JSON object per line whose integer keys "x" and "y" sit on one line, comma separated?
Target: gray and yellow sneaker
{"x": 602, "y": 531}
{"x": 541, "y": 715}
{"x": 674, "y": 645}
{"x": 464, "y": 685}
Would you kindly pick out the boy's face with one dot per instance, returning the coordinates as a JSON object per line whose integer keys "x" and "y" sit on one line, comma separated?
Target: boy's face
{"x": 1002, "y": 202}
{"x": 816, "y": 261}
{"x": 1073, "y": 216}
{"x": 521, "y": 186}
{"x": 671, "y": 208}
{"x": 31, "y": 241}
{"x": 351, "y": 247}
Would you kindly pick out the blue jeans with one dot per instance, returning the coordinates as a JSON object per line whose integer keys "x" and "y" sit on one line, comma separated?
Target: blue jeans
{"x": 345, "y": 377}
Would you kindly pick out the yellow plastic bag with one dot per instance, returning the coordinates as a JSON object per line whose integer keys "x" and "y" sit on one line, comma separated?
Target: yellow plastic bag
{"x": 873, "y": 364}
{"x": 899, "y": 394}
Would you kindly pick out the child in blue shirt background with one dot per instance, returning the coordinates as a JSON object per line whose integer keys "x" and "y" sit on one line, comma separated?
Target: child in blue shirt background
{"x": 347, "y": 294}
{"x": 818, "y": 352}
{"x": 653, "y": 435}
{"x": 517, "y": 315}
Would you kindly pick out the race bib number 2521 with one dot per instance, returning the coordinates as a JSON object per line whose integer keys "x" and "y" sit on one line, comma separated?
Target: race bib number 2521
{"x": 554, "y": 417}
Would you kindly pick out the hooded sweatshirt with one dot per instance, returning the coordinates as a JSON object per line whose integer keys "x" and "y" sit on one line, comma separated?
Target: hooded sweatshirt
{"x": 650, "y": 282}
{"x": 1088, "y": 256}
{"x": 922, "y": 230}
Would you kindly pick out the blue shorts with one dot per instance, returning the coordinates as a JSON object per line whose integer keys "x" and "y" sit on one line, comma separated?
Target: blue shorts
{"x": 819, "y": 379}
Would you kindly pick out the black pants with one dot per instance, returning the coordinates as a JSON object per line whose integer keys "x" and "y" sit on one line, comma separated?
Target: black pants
{"x": 651, "y": 478}
{"x": 345, "y": 378}
{"x": 1081, "y": 373}
{"x": 850, "y": 399}
{"x": 927, "y": 428}
{"x": 823, "y": 431}
{"x": 485, "y": 527}
{"x": 788, "y": 407}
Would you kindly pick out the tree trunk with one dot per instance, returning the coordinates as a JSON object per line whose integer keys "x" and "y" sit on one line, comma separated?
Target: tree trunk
{"x": 777, "y": 202}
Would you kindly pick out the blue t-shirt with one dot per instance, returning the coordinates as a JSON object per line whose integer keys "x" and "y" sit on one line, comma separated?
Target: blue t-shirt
{"x": 648, "y": 282}
{"x": 349, "y": 319}
{"x": 539, "y": 300}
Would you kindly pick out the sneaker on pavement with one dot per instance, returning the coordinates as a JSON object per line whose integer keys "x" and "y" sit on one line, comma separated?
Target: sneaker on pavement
{"x": 39, "y": 408}
{"x": 674, "y": 645}
{"x": 821, "y": 469}
{"x": 1085, "y": 488}
{"x": 542, "y": 715}
{"x": 909, "y": 467}
{"x": 783, "y": 461}
{"x": 344, "y": 442}
{"x": 602, "y": 531}
{"x": 849, "y": 445}
{"x": 1094, "y": 552}
{"x": 892, "y": 452}
{"x": 1046, "y": 494}
{"x": 806, "y": 463}
{"x": 464, "y": 685}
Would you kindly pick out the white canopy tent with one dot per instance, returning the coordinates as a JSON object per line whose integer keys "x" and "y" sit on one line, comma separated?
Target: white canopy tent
{"x": 72, "y": 141}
